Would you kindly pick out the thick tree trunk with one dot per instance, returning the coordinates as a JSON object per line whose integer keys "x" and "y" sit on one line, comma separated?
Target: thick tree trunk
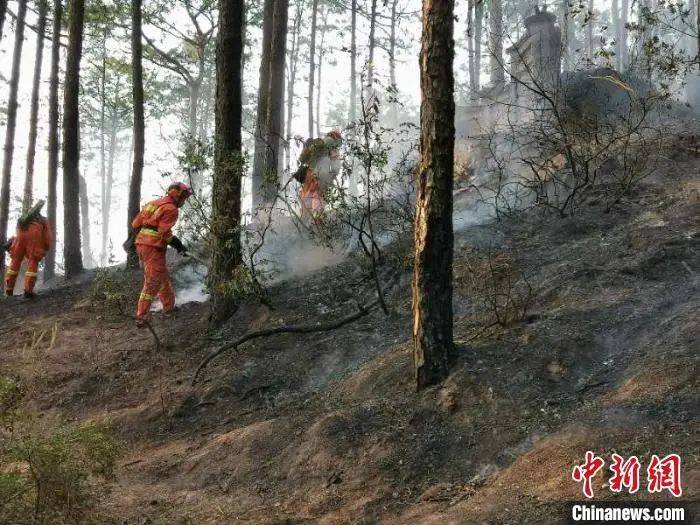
{"x": 275, "y": 100}
{"x": 496, "y": 42}
{"x": 139, "y": 125}
{"x": 50, "y": 263}
{"x": 85, "y": 223}
{"x": 312, "y": 66}
{"x": 432, "y": 277}
{"x": 72, "y": 257}
{"x": 11, "y": 127}
{"x": 261, "y": 134}
{"x": 34, "y": 110}
{"x": 228, "y": 160}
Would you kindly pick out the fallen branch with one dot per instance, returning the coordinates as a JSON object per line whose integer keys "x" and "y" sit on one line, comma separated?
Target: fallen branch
{"x": 287, "y": 329}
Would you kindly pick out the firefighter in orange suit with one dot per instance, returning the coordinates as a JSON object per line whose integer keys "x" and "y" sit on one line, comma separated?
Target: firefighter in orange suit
{"x": 31, "y": 241}
{"x": 154, "y": 226}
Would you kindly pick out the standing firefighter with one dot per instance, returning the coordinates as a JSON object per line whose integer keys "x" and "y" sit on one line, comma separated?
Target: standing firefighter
{"x": 319, "y": 164}
{"x": 153, "y": 230}
{"x": 32, "y": 240}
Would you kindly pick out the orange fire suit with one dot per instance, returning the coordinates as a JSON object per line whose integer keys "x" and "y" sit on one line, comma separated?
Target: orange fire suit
{"x": 311, "y": 200}
{"x": 32, "y": 244}
{"x": 155, "y": 221}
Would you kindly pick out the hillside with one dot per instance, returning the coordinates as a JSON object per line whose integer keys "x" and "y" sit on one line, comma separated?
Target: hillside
{"x": 327, "y": 428}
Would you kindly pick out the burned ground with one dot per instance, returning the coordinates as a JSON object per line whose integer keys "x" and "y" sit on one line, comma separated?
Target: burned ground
{"x": 328, "y": 427}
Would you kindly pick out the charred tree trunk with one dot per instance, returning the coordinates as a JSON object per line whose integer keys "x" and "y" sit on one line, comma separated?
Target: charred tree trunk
{"x": 11, "y": 126}
{"x": 432, "y": 277}
{"x": 496, "y": 42}
{"x": 139, "y": 125}
{"x": 275, "y": 99}
{"x": 34, "y": 110}
{"x": 71, "y": 143}
{"x": 50, "y": 263}
{"x": 228, "y": 160}
{"x": 312, "y": 66}
{"x": 261, "y": 134}
{"x": 85, "y": 222}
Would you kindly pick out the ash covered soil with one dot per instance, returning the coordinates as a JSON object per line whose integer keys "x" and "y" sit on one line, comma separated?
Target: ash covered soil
{"x": 327, "y": 428}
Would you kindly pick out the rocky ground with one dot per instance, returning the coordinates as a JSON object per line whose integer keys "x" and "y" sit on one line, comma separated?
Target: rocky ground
{"x": 328, "y": 428}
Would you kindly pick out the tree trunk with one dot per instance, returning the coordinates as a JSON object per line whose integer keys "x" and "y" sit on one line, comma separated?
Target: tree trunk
{"x": 34, "y": 111}
{"x": 139, "y": 125}
{"x": 321, "y": 53}
{"x": 496, "y": 42}
{"x": 291, "y": 80}
{"x": 71, "y": 143}
{"x": 194, "y": 87}
{"x": 275, "y": 99}
{"x": 261, "y": 134}
{"x": 85, "y": 222}
{"x": 432, "y": 277}
{"x": 478, "y": 32}
{"x": 103, "y": 132}
{"x": 372, "y": 44}
{"x": 352, "y": 112}
{"x": 589, "y": 32}
{"x": 108, "y": 183}
{"x": 50, "y": 264}
{"x": 3, "y": 10}
{"x": 470, "y": 50}
{"x": 11, "y": 126}
{"x": 228, "y": 160}
{"x": 615, "y": 15}
{"x": 312, "y": 66}
{"x": 624, "y": 18}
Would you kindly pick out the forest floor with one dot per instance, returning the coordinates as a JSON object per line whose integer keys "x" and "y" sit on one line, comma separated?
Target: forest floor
{"x": 328, "y": 428}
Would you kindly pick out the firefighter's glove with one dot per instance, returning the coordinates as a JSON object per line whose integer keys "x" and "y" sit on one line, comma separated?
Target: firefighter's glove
{"x": 177, "y": 244}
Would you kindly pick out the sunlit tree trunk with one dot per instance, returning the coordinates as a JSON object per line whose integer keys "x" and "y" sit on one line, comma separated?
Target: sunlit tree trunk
{"x": 261, "y": 135}
{"x": 34, "y": 109}
{"x": 11, "y": 126}
{"x": 496, "y": 42}
{"x": 139, "y": 124}
{"x": 228, "y": 160}
{"x": 312, "y": 66}
{"x": 275, "y": 99}
{"x": 432, "y": 277}
{"x": 53, "y": 146}
{"x": 72, "y": 257}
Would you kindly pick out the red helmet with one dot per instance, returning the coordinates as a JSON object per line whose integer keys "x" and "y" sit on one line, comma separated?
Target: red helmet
{"x": 179, "y": 191}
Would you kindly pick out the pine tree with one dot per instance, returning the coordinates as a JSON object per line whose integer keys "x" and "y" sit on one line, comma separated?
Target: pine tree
{"x": 139, "y": 125}
{"x": 71, "y": 143}
{"x": 11, "y": 126}
{"x": 50, "y": 263}
{"x": 228, "y": 159}
{"x": 432, "y": 277}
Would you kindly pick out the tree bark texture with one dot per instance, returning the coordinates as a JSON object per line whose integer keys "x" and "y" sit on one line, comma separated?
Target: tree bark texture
{"x": 496, "y": 41}
{"x": 34, "y": 109}
{"x": 312, "y": 66}
{"x": 53, "y": 146}
{"x": 85, "y": 223}
{"x": 139, "y": 124}
{"x": 228, "y": 160}
{"x": 11, "y": 126}
{"x": 291, "y": 79}
{"x": 432, "y": 277}
{"x": 261, "y": 135}
{"x": 72, "y": 257}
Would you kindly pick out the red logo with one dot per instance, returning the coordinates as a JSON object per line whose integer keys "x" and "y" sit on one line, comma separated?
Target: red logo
{"x": 665, "y": 474}
{"x": 584, "y": 473}
{"x": 625, "y": 474}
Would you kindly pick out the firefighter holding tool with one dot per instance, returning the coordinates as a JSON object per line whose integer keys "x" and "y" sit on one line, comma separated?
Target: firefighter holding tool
{"x": 152, "y": 236}
{"x": 31, "y": 241}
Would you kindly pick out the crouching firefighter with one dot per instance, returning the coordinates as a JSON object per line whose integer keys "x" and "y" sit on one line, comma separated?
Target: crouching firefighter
{"x": 152, "y": 235}
{"x": 31, "y": 241}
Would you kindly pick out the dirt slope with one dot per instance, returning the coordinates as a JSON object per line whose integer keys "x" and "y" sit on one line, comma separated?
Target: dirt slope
{"x": 328, "y": 429}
